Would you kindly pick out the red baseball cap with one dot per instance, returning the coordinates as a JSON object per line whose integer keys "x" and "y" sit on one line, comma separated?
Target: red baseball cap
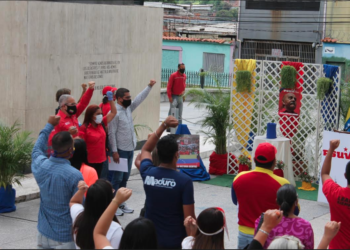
{"x": 108, "y": 88}
{"x": 267, "y": 151}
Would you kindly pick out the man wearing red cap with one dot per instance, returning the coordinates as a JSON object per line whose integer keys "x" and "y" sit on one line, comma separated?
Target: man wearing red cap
{"x": 105, "y": 106}
{"x": 256, "y": 192}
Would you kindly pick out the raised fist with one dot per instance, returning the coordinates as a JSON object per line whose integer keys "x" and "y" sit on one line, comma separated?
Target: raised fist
{"x": 171, "y": 122}
{"x": 334, "y": 144}
{"x": 152, "y": 82}
{"x": 110, "y": 96}
{"x": 92, "y": 85}
{"x": 54, "y": 120}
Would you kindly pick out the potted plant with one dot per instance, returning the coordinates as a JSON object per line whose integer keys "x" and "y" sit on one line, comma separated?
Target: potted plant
{"x": 15, "y": 152}
{"x": 306, "y": 181}
{"x": 216, "y": 122}
{"x": 279, "y": 171}
{"x": 244, "y": 163}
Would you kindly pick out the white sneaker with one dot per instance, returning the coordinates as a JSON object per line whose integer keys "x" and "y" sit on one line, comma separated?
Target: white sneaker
{"x": 126, "y": 209}
{"x": 119, "y": 212}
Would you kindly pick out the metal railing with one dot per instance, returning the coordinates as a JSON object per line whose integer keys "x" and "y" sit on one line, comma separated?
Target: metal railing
{"x": 194, "y": 79}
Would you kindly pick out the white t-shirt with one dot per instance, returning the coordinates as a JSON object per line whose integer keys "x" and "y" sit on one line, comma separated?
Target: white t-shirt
{"x": 187, "y": 243}
{"x": 115, "y": 231}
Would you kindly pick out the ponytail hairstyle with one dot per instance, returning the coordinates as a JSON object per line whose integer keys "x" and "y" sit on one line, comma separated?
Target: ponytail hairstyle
{"x": 286, "y": 198}
{"x": 105, "y": 99}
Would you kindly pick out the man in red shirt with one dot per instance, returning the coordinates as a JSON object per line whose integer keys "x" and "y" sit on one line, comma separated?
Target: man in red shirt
{"x": 338, "y": 198}
{"x": 70, "y": 111}
{"x": 176, "y": 89}
{"x": 254, "y": 192}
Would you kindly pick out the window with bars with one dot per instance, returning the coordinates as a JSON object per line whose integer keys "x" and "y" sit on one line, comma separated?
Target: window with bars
{"x": 213, "y": 62}
{"x": 262, "y": 50}
{"x": 299, "y": 5}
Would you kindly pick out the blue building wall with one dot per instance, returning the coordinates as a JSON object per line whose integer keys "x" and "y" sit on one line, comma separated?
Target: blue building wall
{"x": 338, "y": 54}
{"x": 192, "y": 54}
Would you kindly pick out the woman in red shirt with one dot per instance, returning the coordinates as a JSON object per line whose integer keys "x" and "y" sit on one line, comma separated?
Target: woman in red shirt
{"x": 93, "y": 131}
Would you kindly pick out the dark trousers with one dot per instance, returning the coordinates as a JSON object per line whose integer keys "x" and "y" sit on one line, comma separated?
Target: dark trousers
{"x": 98, "y": 167}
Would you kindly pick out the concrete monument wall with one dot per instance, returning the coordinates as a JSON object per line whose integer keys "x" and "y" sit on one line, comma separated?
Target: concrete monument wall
{"x": 46, "y": 46}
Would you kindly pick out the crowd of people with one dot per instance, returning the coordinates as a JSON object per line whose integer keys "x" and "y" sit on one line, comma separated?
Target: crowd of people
{"x": 81, "y": 199}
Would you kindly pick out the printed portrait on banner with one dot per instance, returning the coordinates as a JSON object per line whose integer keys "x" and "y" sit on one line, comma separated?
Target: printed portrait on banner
{"x": 289, "y": 102}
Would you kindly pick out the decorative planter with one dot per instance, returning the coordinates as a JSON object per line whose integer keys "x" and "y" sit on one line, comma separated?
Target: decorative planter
{"x": 7, "y": 199}
{"x": 218, "y": 164}
{"x": 242, "y": 168}
{"x": 278, "y": 172}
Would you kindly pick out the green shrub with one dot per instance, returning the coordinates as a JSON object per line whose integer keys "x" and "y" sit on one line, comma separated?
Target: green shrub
{"x": 244, "y": 81}
{"x": 323, "y": 85}
{"x": 288, "y": 77}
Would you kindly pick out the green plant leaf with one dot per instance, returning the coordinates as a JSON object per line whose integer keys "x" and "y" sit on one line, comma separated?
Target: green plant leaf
{"x": 323, "y": 86}
{"x": 15, "y": 153}
{"x": 288, "y": 77}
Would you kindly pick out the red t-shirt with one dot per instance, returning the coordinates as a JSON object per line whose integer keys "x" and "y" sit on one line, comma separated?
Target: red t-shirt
{"x": 105, "y": 108}
{"x": 339, "y": 203}
{"x": 95, "y": 139}
{"x": 256, "y": 192}
{"x": 68, "y": 121}
{"x": 176, "y": 84}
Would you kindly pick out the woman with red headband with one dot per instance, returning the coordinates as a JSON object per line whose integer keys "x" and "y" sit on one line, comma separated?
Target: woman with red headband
{"x": 93, "y": 131}
{"x": 207, "y": 232}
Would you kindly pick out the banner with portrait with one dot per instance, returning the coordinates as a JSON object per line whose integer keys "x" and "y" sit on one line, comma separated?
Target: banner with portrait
{"x": 289, "y": 102}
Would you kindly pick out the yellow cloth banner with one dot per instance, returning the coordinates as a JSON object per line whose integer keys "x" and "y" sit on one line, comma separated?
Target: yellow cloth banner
{"x": 348, "y": 115}
{"x": 307, "y": 186}
{"x": 243, "y": 104}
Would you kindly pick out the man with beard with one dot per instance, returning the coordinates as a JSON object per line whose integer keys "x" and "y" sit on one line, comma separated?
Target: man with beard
{"x": 289, "y": 102}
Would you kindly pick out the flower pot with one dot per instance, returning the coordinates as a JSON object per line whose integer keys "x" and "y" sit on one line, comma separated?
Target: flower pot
{"x": 218, "y": 164}
{"x": 242, "y": 168}
{"x": 7, "y": 199}
{"x": 306, "y": 185}
{"x": 278, "y": 172}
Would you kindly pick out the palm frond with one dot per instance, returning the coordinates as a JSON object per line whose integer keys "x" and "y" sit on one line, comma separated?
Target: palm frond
{"x": 217, "y": 123}
{"x": 15, "y": 153}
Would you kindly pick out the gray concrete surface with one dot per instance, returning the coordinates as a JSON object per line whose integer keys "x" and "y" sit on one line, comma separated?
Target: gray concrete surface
{"x": 18, "y": 229}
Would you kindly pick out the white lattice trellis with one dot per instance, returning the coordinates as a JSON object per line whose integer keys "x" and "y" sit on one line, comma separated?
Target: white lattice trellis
{"x": 315, "y": 116}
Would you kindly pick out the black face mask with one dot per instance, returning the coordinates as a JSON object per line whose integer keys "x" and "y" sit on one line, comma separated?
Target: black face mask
{"x": 126, "y": 103}
{"x": 72, "y": 110}
{"x": 182, "y": 71}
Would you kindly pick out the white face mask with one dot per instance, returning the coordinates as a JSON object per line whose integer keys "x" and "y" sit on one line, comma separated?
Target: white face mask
{"x": 99, "y": 119}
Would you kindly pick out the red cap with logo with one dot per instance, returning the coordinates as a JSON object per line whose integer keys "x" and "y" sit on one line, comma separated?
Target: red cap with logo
{"x": 266, "y": 150}
{"x": 108, "y": 88}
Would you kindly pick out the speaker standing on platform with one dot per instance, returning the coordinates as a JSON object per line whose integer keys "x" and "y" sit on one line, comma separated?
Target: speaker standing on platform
{"x": 176, "y": 89}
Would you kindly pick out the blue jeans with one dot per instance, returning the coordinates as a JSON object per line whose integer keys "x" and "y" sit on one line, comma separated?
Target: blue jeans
{"x": 120, "y": 179}
{"x": 244, "y": 240}
{"x": 46, "y": 243}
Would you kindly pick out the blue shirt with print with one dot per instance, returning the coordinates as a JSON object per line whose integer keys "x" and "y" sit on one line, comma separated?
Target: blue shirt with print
{"x": 166, "y": 192}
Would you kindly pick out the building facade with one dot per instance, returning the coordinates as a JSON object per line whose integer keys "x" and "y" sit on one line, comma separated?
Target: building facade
{"x": 209, "y": 54}
{"x": 281, "y": 30}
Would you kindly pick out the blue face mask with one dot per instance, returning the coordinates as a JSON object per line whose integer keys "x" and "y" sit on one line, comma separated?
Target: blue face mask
{"x": 55, "y": 153}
